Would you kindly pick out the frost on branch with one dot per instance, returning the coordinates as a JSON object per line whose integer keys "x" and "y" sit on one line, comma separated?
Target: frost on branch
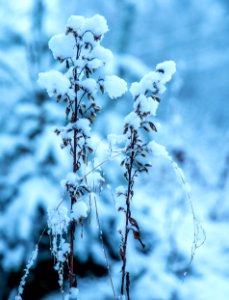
{"x": 27, "y": 269}
{"x": 58, "y": 223}
{"x": 80, "y": 49}
{"x": 84, "y": 75}
{"x": 137, "y": 126}
{"x": 146, "y": 96}
{"x": 154, "y": 82}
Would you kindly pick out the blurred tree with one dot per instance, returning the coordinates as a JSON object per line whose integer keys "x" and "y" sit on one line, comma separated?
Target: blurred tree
{"x": 28, "y": 155}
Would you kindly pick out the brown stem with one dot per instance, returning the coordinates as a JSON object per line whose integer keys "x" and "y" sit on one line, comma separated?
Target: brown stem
{"x": 72, "y": 277}
{"x": 128, "y": 214}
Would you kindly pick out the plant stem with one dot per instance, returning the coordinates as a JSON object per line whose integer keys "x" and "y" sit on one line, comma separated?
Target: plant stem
{"x": 72, "y": 277}
{"x": 104, "y": 249}
{"x": 128, "y": 212}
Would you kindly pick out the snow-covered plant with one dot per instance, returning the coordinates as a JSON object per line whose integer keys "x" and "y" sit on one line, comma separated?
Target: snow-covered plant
{"x": 27, "y": 269}
{"x": 137, "y": 150}
{"x": 83, "y": 75}
{"x": 58, "y": 222}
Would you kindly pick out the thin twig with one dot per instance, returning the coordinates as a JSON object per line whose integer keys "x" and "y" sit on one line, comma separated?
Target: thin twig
{"x": 104, "y": 249}
{"x": 128, "y": 214}
{"x": 197, "y": 227}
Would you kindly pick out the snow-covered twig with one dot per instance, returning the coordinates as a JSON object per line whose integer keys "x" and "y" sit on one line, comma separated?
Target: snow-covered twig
{"x": 30, "y": 263}
{"x": 198, "y": 230}
{"x": 197, "y": 227}
{"x": 84, "y": 57}
{"x": 146, "y": 100}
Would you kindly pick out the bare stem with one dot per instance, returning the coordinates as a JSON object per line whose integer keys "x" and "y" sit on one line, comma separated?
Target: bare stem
{"x": 72, "y": 277}
{"x": 128, "y": 215}
{"x": 104, "y": 249}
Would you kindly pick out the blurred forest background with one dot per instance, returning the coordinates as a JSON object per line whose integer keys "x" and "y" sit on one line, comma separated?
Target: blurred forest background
{"x": 193, "y": 117}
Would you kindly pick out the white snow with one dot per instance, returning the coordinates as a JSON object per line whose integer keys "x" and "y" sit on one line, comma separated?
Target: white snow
{"x": 76, "y": 23}
{"x": 145, "y": 84}
{"x": 54, "y": 82}
{"x": 71, "y": 178}
{"x": 135, "y": 89}
{"x": 58, "y": 220}
{"x": 90, "y": 85}
{"x": 115, "y": 86}
{"x": 154, "y": 81}
{"x": 95, "y": 64}
{"x": 89, "y": 38}
{"x": 80, "y": 63}
{"x": 147, "y": 104}
{"x": 96, "y": 24}
{"x": 62, "y": 46}
{"x": 167, "y": 69}
{"x": 133, "y": 120}
{"x": 99, "y": 52}
{"x": 79, "y": 210}
{"x": 64, "y": 249}
{"x": 27, "y": 269}
{"x": 83, "y": 125}
{"x": 157, "y": 149}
